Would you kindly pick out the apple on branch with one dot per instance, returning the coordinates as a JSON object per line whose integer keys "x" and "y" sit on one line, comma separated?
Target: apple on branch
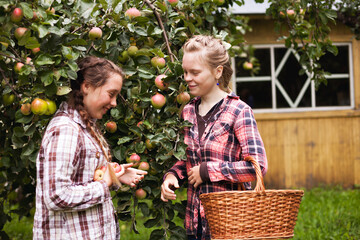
{"x": 25, "y": 109}
{"x": 17, "y": 15}
{"x": 140, "y": 194}
{"x": 111, "y": 126}
{"x": 39, "y": 106}
{"x": 158, "y": 101}
{"x": 183, "y": 97}
{"x": 132, "y": 13}
{"x": 160, "y": 83}
{"x": 95, "y": 33}
{"x": 158, "y": 62}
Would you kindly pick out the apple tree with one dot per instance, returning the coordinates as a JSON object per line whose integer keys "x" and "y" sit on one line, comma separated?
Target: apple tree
{"x": 40, "y": 42}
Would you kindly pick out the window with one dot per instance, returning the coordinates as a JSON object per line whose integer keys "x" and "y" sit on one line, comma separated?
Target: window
{"x": 277, "y": 87}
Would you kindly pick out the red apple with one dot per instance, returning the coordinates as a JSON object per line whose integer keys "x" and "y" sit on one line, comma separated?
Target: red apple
{"x": 290, "y": 13}
{"x": 140, "y": 194}
{"x": 117, "y": 167}
{"x": 28, "y": 60}
{"x": 51, "y": 107}
{"x": 183, "y": 97}
{"x": 135, "y": 159}
{"x": 19, "y": 32}
{"x": 95, "y": 33}
{"x": 158, "y": 62}
{"x": 39, "y": 106}
{"x": 18, "y": 67}
{"x": 17, "y": 15}
{"x": 111, "y": 126}
{"x": 25, "y": 108}
{"x": 132, "y": 12}
{"x": 160, "y": 83}
{"x": 132, "y": 50}
{"x": 50, "y": 10}
{"x": 219, "y": 2}
{"x": 158, "y": 101}
{"x": 173, "y": 2}
{"x": 35, "y": 50}
{"x": 8, "y": 99}
{"x": 98, "y": 175}
{"x": 144, "y": 166}
{"x": 248, "y": 65}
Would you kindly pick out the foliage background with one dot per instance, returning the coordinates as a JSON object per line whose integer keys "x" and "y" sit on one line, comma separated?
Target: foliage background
{"x": 161, "y": 30}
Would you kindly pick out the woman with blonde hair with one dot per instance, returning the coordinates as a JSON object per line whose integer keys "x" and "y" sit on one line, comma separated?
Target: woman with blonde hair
{"x": 223, "y": 134}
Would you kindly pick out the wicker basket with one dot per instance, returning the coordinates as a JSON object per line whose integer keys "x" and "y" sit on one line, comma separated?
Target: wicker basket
{"x": 254, "y": 214}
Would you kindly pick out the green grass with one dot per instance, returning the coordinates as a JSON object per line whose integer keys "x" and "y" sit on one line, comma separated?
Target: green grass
{"x": 325, "y": 213}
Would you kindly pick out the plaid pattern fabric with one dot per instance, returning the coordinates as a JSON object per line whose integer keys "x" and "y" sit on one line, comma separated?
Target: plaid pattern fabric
{"x": 69, "y": 204}
{"x": 231, "y": 136}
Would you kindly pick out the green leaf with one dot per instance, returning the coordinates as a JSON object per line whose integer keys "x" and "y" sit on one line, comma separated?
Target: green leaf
{"x": 124, "y": 140}
{"x": 47, "y": 77}
{"x": 28, "y": 149}
{"x": 77, "y": 42}
{"x": 28, "y": 12}
{"x": 31, "y": 43}
{"x": 18, "y": 131}
{"x": 86, "y": 8}
{"x": 152, "y": 223}
{"x": 44, "y": 59}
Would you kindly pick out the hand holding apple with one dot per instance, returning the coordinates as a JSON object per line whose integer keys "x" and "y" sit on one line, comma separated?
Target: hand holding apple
{"x": 167, "y": 188}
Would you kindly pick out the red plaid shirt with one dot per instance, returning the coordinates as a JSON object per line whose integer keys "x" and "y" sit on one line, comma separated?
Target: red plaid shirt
{"x": 69, "y": 204}
{"x": 230, "y": 136}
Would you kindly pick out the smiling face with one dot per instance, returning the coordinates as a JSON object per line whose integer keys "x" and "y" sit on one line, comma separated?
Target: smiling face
{"x": 98, "y": 101}
{"x": 201, "y": 79}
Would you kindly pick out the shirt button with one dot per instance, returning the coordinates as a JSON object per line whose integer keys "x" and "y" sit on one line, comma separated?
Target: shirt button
{"x": 97, "y": 154}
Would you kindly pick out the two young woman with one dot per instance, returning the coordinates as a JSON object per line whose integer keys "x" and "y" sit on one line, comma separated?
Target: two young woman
{"x": 71, "y": 205}
{"x": 223, "y": 134}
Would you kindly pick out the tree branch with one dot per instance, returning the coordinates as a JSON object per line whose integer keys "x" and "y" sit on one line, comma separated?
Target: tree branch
{"x": 7, "y": 83}
{"x": 158, "y": 18}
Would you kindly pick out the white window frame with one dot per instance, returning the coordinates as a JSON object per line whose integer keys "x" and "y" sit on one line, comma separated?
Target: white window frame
{"x": 275, "y": 84}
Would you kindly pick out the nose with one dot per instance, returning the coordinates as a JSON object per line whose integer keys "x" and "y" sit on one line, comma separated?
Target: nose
{"x": 187, "y": 77}
{"x": 113, "y": 102}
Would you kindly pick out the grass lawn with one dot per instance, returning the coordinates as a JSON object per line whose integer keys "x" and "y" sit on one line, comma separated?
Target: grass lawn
{"x": 325, "y": 213}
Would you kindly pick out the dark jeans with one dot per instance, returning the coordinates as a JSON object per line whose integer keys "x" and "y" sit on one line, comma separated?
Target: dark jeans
{"x": 199, "y": 231}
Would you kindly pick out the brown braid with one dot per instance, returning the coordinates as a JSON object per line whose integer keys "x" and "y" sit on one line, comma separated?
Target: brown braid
{"x": 94, "y": 71}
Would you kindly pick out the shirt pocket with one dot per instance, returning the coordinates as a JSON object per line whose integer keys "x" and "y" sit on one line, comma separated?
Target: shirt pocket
{"x": 220, "y": 132}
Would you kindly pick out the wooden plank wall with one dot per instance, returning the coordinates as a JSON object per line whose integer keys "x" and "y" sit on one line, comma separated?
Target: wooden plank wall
{"x": 310, "y": 151}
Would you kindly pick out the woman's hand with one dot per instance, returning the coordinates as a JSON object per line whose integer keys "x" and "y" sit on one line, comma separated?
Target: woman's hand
{"x": 131, "y": 176}
{"x": 166, "y": 192}
{"x": 194, "y": 176}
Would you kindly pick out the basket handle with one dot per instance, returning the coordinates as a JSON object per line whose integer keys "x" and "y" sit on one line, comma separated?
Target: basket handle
{"x": 260, "y": 187}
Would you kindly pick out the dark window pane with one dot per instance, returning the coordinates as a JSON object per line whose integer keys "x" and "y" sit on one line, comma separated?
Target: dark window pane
{"x": 335, "y": 93}
{"x": 256, "y": 94}
{"x": 263, "y": 56}
{"x": 338, "y": 63}
{"x": 290, "y": 79}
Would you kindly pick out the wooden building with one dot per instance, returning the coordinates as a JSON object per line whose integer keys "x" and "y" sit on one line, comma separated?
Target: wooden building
{"x": 312, "y": 137}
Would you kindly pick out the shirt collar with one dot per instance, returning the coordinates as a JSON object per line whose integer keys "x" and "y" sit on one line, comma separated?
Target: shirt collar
{"x": 73, "y": 113}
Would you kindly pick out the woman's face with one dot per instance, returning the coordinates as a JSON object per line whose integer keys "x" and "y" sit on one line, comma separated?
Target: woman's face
{"x": 201, "y": 79}
{"x": 98, "y": 101}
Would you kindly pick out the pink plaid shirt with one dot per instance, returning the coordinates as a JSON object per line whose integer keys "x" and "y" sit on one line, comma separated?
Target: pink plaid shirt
{"x": 231, "y": 136}
{"x": 69, "y": 204}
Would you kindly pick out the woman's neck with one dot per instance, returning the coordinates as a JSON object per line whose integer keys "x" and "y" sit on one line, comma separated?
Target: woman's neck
{"x": 209, "y": 100}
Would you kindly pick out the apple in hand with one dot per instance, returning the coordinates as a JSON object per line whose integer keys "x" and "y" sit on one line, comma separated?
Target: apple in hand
{"x": 135, "y": 159}
{"x": 117, "y": 167}
{"x": 99, "y": 174}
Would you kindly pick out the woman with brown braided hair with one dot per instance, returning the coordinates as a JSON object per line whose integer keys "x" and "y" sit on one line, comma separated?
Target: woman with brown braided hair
{"x": 69, "y": 203}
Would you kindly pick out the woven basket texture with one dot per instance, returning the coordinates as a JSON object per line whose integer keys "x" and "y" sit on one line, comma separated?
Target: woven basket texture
{"x": 258, "y": 214}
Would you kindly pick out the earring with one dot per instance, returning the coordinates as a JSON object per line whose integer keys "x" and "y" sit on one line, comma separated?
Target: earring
{"x": 217, "y": 84}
